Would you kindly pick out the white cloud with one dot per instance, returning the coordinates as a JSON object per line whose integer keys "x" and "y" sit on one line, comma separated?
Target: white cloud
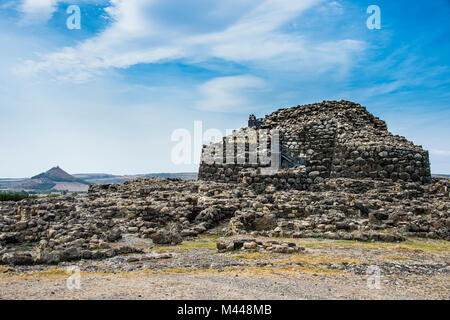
{"x": 37, "y": 10}
{"x": 226, "y": 94}
{"x": 135, "y": 37}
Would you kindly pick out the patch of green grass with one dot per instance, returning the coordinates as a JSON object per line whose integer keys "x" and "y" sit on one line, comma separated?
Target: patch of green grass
{"x": 188, "y": 245}
{"x": 317, "y": 236}
{"x": 53, "y": 195}
{"x": 15, "y": 196}
{"x": 211, "y": 237}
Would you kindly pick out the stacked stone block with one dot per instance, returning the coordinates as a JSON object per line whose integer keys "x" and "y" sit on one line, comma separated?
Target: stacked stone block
{"x": 338, "y": 139}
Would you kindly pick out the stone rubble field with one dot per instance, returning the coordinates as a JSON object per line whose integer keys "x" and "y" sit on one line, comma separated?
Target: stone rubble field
{"x": 168, "y": 238}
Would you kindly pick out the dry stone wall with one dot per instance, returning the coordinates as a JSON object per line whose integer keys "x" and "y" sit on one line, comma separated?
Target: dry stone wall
{"x": 245, "y": 149}
{"x": 337, "y": 139}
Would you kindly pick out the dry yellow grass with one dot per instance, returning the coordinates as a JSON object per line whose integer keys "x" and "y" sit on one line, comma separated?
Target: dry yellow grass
{"x": 412, "y": 244}
{"x": 59, "y": 273}
{"x": 3, "y": 268}
{"x": 252, "y": 255}
{"x": 309, "y": 258}
{"x": 186, "y": 246}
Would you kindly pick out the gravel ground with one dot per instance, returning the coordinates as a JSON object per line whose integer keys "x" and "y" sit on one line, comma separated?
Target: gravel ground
{"x": 224, "y": 286}
{"x": 325, "y": 270}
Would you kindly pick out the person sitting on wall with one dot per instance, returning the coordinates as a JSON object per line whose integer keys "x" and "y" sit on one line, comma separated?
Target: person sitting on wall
{"x": 251, "y": 121}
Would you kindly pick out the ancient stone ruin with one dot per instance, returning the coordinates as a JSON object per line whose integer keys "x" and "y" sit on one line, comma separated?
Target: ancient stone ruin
{"x": 339, "y": 175}
{"x": 316, "y": 142}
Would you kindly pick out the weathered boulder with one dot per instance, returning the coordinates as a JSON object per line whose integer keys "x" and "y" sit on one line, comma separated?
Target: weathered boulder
{"x": 48, "y": 257}
{"x": 17, "y": 259}
{"x": 166, "y": 237}
{"x": 113, "y": 235}
{"x": 71, "y": 254}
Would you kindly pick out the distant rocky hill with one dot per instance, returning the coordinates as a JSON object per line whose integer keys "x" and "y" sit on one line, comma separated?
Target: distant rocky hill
{"x": 441, "y": 175}
{"x": 53, "y": 180}
{"x": 56, "y": 174}
{"x": 103, "y": 178}
{"x": 58, "y": 180}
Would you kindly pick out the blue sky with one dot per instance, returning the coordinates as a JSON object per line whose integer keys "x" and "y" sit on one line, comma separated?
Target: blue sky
{"x": 107, "y": 98}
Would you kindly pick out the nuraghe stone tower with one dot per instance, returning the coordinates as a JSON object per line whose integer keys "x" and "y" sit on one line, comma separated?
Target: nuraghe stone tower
{"x": 317, "y": 141}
